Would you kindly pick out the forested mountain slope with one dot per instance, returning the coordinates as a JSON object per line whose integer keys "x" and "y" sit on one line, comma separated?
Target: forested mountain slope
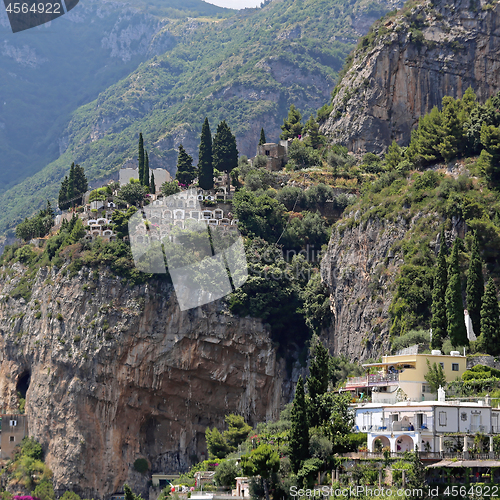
{"x": 49, "y": 71}
{"x": 247, "y": 69}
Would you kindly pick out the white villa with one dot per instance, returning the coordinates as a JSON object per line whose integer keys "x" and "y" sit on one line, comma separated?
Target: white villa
{"x": 406, "y": 425}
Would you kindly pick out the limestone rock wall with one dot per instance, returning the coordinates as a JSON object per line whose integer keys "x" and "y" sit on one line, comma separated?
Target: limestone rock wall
{"x": 360, "y": 283}
{"x": 401, "y": 77}
{"x": 119, "y": 373}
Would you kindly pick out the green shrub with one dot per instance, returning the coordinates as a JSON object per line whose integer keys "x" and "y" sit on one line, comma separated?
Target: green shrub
{"x": 141, "y": 465}
{"x": 25, "y": 254}
{"x": 31, "y": 448}
{"x": 411, "y": 338}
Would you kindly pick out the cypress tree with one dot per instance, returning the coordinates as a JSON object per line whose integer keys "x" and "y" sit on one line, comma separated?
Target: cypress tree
{"x": 225, "y": 153}
{"x": 71, "y": 185}
{"x": 454, "y": 304}
{"x": 63, "y": 194}
{"x": 439, "y": 323}
{"x": 185, "y": 169}
{"x": 317, "y": 382}
{"x": 475, "y": 286}
{"x": 489, "y": 340}
{"x": 292, "y": 126}
{"x": 152, "y": 184}
{"x": 80, "y": 183}
{"x": 262, "y": 137}
{"x": 141, "y": 159}
{"x": 146, "y": 169}
{"x": 205, "y": 162}
{"x": 299, "y": 433}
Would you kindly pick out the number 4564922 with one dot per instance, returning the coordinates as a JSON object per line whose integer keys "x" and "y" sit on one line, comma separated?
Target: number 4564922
{"x": 40, "y": 8}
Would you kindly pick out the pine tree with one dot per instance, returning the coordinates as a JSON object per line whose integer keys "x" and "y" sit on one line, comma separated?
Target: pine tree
{"x": 77, "y": 233}
{"x": 205, "y": 162}
{"x": 292, "y": 126}
{"x": 439, "y": 323}
{"x": 317, "y": 382}
{"x": 475, "y": 286}
{"x": 262, "y": 137}
{"x": 457, "y": 330}
{"x": 141, "y": 160}
{"x": 225, "y": 153}
{"x": 393, "y": 156}
{"x": 489, "y": 340}
{"x": 314, "y": 139}
{"x": 299, "y": 433}
{"x": 186, "y": 172}
{"x": 452, "y": 130}
{"x": 152, "y": 184}
{"x": 425, "y": 140}
{"x": 146, "y": 169}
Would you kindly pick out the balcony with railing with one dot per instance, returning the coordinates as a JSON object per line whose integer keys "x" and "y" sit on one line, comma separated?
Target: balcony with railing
{"x": 373, "y": 380}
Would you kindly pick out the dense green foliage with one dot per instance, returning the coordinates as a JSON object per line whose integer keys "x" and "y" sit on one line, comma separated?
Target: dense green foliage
{"x": 27, "y": 468}
{"x": 435, "y": 376}
{"x": 299, "y": 432}
{"x": 205, "y": 158}
{"x": 132, "y": 193}
{"x": 263, "y": 461}
{"x": 489, "y": 340}
{"x": 141, "y": 465}
{"x": 262, "y": 139}
{"x": 219, "y": 445}
{"x": 292, "y": 124}
{"x": 186, "y": 172}
{"x": 317, "y": 382}
{"x": 224, "y": 151}
{"x": 152, "y": 183}
{"x": 226, "y": 473}
{"x": 142, "y": 162}
{"x": 37, "y": 226}
{"x": 453, "y": 298}
{"x": 413, "y": 337}
{"x": 72, "y": 188}
{"x": 481, "y": 372}
{"x": 475, "y": 286}
{"x": 439, "y": 322}
{"x": 129, "y": 494}
{"x": 170, "y": 188}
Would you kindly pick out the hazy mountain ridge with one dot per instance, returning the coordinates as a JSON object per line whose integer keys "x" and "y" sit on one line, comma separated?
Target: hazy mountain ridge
{"x": 49, "y": 71}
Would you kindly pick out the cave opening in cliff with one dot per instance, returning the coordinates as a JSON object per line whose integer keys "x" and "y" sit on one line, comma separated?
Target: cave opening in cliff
{"x": 23, "y": 382}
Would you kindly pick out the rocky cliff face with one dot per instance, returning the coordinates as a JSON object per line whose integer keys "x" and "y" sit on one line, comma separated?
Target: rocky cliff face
{"x": 118, "y": 373}
{"x": 416, "y": 58}
{"x": 361, "y": 267}
{"x": 360, "y": 285}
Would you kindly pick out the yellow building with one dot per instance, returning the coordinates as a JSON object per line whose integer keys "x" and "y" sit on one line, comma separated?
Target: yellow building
{"x": 402, "y": 377}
